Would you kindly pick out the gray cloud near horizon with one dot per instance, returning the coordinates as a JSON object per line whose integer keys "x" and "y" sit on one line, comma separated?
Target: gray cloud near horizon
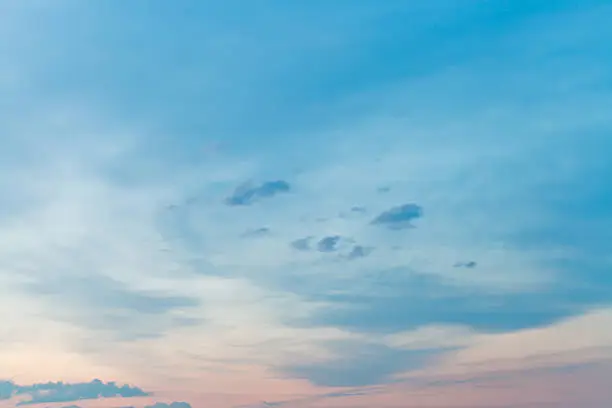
{"x": 175, "y": 404}
{"x": 67, "y": 392}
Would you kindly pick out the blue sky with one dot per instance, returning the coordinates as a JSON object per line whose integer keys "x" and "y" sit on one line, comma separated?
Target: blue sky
{"x": 309, "y": 203}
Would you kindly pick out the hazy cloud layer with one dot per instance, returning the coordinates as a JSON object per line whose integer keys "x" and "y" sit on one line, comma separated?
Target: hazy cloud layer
{"x": 129, "y": 313}
{"x": 193, "y": 201}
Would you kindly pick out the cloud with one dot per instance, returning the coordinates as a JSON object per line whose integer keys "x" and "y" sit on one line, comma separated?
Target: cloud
{"x": 248, "y": 194}
{"x": 175, "y": 404}
{"x": 360, "y": 364}
{"x": 57, "y": 392}
{"x": 7, "y": 388}
{"x": 434, "y": 390}
{"x": 103, "y": 303}
{"x": 333, "y": 244}
{"x": 376, "y": 304}
{"x": 467, "y": 264}
{"x": 328, "y": 244}
{"x": 170, "y": 405}
{"x": 359, "y": 251}
{"x": 302, "y": 244}
{"x": 257, "y": 232}
{"x": 399, "y": 217}
{"x": 117, "y": 225}
{"x": 66, "y": 392}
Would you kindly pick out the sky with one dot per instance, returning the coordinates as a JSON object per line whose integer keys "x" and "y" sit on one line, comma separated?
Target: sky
{"x": 300, "y": 204}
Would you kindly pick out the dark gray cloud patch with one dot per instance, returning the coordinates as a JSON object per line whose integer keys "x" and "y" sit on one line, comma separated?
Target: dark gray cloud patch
{"x": 328, "y": 244}
{"x": 53, "y": 392}
{"x": 248, "y": 194}
{"x": 360, "y": 364}
{"x": 399, "y": 217}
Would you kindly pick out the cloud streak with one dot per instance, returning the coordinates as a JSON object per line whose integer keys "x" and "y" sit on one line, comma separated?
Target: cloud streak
{"x": 247, "y": 194}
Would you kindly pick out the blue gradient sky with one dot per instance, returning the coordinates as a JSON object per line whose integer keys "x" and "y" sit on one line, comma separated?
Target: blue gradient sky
{"x": 306, "y": 203}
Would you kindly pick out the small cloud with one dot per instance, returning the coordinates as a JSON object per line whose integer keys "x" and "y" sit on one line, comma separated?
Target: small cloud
{"x": 383, "y": 189}
{"x": 469, "y": 264}
{"x": 302, "y": 244}
{"x": 328, "y": 244}
{"x": 248, "y": 194}
{"x": 359, "y": 251}
{"x": 358, "y": 209}
{"x": 399, "y": 217}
